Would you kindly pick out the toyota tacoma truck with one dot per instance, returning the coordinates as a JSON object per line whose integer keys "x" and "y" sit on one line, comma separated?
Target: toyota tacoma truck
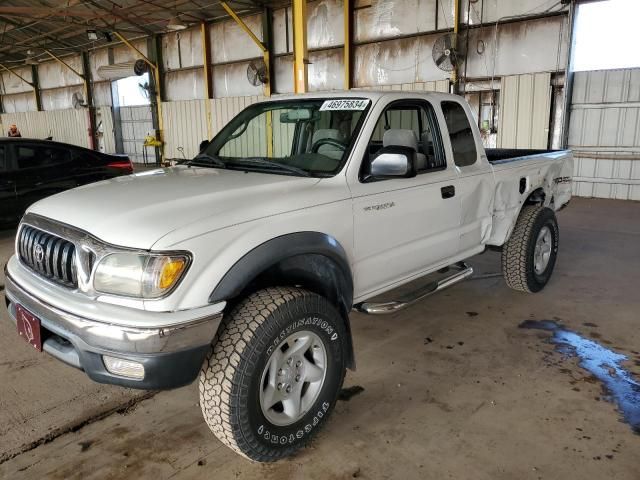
{"x": 241, "y": 266}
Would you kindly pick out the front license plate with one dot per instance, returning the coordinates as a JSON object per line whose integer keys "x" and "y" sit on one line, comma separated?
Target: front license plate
{"x": 29, "y": 327}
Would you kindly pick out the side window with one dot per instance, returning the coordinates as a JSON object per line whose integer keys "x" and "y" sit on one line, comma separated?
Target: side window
{"x": 410, "y": 125}
{"x": 41, "y": 156}
{"x": 460, "y": 134}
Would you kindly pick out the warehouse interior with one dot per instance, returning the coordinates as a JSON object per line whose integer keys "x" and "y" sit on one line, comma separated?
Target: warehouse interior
{"x": 513, "y": 73}
{"x": 453, "y": 387}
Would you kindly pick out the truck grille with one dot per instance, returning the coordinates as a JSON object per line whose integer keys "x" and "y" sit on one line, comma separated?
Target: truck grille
{"x": 48, "y": 255}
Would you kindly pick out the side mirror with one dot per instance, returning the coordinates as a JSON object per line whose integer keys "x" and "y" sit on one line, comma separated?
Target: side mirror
{"x": 393, "y": 162}
{"x": 203, "y": 145}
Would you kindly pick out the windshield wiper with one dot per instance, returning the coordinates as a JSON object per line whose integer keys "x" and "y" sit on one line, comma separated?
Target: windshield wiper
{"x": 206, "y": 159}
{"x": 261, "y": 162}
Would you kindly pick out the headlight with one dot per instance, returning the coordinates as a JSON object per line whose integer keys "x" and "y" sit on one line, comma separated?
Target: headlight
{"x": 139, "y": 275}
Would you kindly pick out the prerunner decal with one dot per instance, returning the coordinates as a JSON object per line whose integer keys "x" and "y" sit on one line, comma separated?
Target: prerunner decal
{"x": 345, "y": 104}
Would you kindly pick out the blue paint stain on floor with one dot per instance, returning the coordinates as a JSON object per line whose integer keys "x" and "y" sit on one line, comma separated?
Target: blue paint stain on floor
{"x": 605, "y": 364}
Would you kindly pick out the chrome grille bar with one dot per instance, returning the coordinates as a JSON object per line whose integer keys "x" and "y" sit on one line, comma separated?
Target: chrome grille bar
{"x": 48, "y": 255}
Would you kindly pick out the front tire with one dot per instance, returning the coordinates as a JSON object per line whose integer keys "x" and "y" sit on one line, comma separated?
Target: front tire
{"x": 274, "y": 372}
{"x": 529, "y": 256}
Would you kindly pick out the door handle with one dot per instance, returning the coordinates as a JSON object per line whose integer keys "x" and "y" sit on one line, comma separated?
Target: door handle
{"x": 448, "y": 191}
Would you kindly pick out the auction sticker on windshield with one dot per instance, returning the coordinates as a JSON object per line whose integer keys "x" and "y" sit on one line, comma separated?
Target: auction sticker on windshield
{"x": 345, "y": 104}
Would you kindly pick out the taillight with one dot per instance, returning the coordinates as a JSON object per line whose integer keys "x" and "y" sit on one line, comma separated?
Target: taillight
{"x": 125, "y": 165}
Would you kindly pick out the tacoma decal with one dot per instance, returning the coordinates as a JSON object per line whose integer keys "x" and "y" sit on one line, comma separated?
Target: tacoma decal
{"x": 379, "y": 206}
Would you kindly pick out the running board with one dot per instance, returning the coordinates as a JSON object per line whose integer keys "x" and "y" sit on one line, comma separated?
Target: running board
{"x": 462, "y": 272}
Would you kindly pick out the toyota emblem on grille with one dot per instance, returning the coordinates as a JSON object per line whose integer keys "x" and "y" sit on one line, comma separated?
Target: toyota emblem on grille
{"x": 39, "y": 253}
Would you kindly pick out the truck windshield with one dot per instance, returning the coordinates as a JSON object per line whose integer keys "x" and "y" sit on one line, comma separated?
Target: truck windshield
{"x": 293, "y": 137}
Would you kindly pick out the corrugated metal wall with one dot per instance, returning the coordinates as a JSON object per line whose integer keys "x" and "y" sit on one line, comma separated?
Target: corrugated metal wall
{"x": 525, "y": 109}
{"x": 136, "y": 125}
{"x": 186, "y": 125}
{"x": 604, "y": 134}
{"x": 70, "y": 126}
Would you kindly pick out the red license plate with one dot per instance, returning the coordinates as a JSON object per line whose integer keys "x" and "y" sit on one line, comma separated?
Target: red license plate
{"x": 29, "y": 327}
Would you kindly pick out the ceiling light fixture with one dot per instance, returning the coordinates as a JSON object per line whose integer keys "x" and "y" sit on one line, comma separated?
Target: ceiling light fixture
{"x": 92, "y": 35}
{"x": 30, "y": 58}
{"x": 176, "y": 24}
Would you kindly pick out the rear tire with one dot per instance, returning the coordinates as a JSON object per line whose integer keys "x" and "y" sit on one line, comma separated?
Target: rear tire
{"x": 252, "y": 399}
{"x": 529, "y": 256}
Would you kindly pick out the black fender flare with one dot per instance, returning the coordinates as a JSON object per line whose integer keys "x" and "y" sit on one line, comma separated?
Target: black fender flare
{"x": 313, "y": 259}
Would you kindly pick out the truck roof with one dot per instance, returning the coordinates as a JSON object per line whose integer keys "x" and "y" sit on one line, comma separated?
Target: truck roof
{"x": 371, "y": 94}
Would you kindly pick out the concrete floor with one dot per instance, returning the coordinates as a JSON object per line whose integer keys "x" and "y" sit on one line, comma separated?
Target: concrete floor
{"x": 452, "y": 387}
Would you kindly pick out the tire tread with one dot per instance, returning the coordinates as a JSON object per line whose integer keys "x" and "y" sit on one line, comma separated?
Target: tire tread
{"x": 222, "y": 380}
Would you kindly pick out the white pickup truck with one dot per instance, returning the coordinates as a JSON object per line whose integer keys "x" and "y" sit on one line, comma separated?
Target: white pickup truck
{"x": 242, "y": 265}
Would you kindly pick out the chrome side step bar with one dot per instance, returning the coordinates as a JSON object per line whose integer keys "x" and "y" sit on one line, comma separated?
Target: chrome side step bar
{"x": 462, "y": 272}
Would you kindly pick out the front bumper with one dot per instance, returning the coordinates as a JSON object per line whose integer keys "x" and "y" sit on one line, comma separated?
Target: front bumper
{"x": 171, "y": 355}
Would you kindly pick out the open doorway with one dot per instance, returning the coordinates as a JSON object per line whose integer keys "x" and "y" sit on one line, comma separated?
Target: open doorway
{"x": 133, "y": 117}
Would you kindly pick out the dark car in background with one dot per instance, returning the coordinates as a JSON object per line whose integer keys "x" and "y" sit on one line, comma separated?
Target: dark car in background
{"x": 32, "y": 169}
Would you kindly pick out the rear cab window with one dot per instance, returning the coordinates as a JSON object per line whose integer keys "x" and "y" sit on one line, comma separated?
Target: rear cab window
{"x": 463, "y": 144}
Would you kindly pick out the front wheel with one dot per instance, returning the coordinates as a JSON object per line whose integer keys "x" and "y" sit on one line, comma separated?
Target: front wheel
{"x": 274, "y": 372}
{"x": 529, "y": 255}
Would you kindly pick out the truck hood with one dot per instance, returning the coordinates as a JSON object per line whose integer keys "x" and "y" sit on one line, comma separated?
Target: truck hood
{"x": 137, "y": 210}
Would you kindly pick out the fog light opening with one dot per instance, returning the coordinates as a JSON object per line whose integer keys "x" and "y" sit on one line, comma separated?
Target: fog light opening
{"x": 124, "y": 368}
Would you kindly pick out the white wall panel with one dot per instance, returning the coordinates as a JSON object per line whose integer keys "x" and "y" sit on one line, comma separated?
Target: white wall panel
{"x": 122, "y": 53}
{"x": 393, "y": 18}
{"x": 326, "y": 72}
{"x": 60, "y": 98}
{"x": 521, "y": 47}
{"x": 395, "y": 62}
{"x": 10, "y": 83}
{"x": 52, "y": 74}
{"x": 182, "y": 49}
{"x": 185, "y": 125}
{"x": 525, "y": 109}
{"x": 69, "y": 126}
{"x": 282, "y": 23}
{"x": 604, "y": 133}
{"x": 184, "y": 84}
{"x": 230, "y": 43}
{"x": 19, "y": 102}
{"x": 325, "y": 26}
{"x": 231, "y": 81}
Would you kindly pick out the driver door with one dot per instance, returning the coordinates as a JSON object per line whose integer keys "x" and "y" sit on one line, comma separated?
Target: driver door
{"x": 405, "y": 226}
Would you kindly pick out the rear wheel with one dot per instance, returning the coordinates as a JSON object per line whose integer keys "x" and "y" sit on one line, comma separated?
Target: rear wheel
{"x": 529, "y": 256}
{"x": 274, "y": 372}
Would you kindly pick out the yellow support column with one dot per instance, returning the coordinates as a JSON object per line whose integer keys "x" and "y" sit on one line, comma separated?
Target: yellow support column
{"x": 348, "y": 42}
{"x": 206, "y": 65}
{"x": 300, "y": 60}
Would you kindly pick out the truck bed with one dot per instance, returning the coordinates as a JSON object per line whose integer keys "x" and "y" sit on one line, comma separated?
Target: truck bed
{"x": 504, "y": 155}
